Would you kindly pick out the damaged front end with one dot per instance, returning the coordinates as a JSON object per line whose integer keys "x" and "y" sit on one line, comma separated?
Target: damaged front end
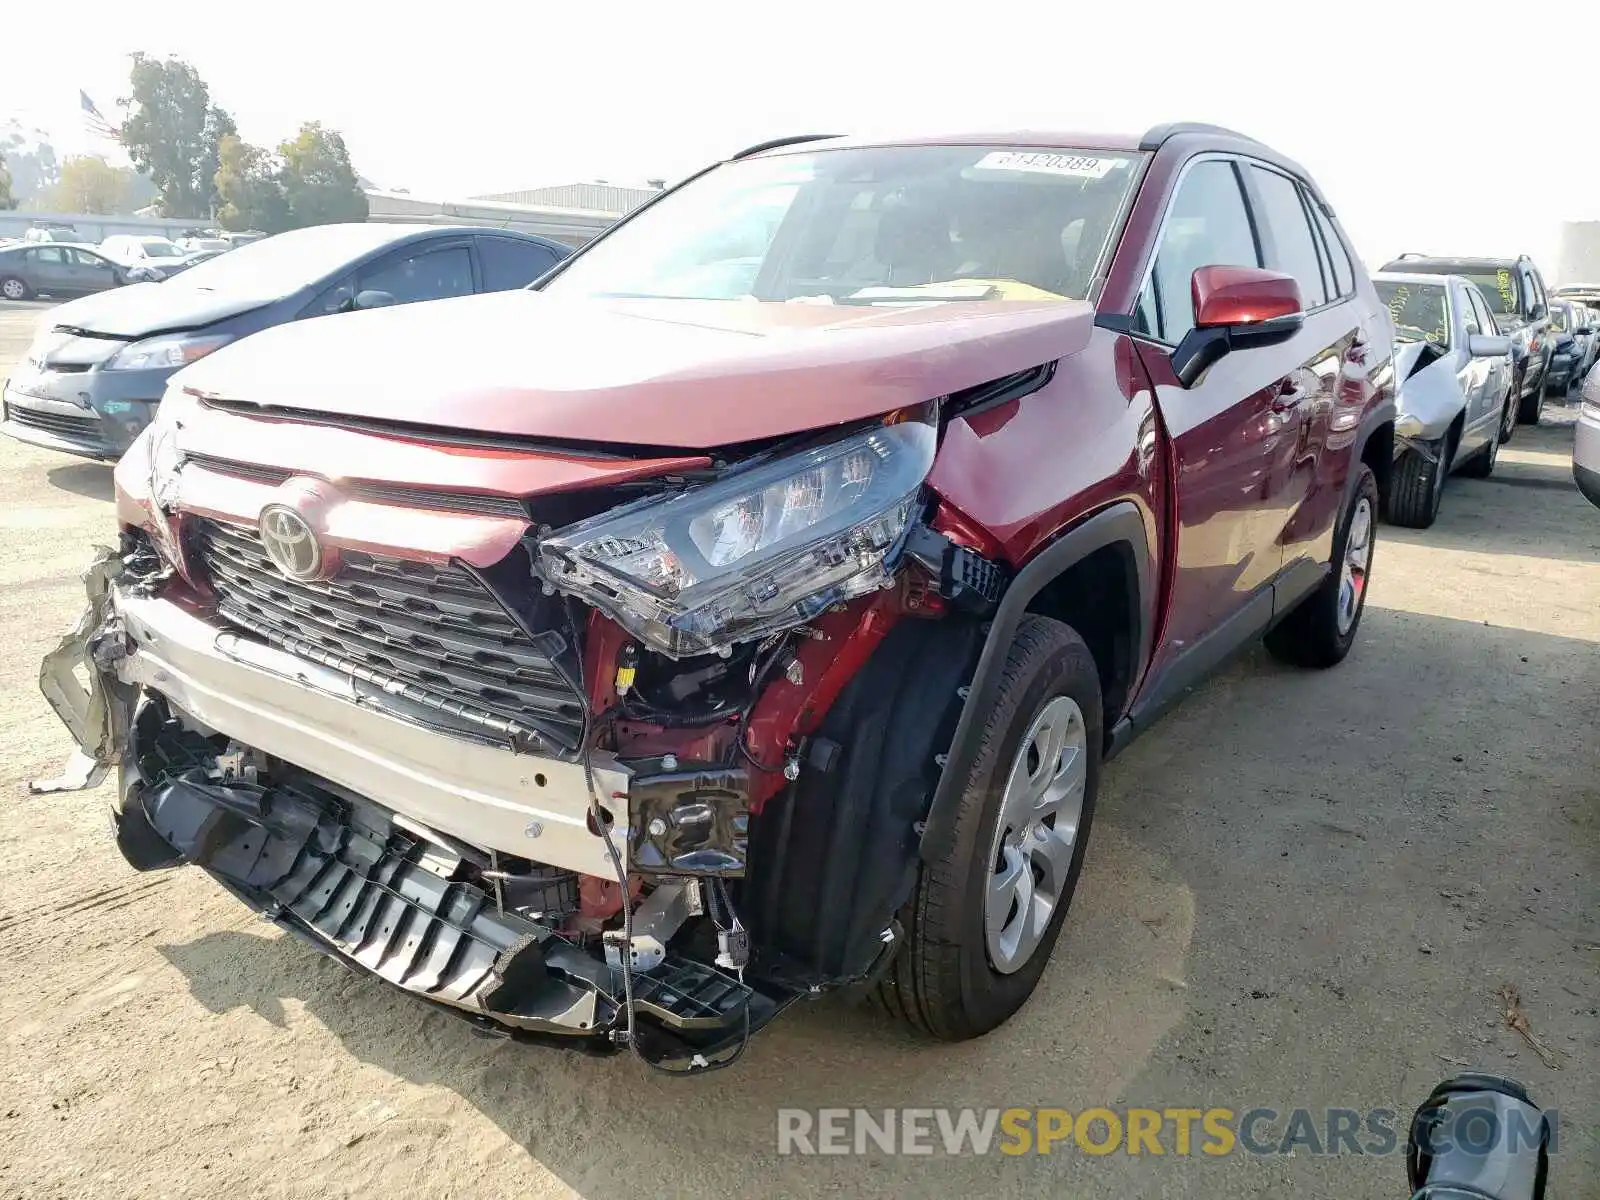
{"x": 641, "y": 780}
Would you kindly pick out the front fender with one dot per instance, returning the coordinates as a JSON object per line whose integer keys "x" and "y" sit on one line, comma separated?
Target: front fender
{"x": 1121, "y": 522}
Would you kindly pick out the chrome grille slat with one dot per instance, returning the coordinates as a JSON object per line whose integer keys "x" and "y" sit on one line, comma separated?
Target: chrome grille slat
{"x": 373, "y": 491}
{"x": 434, "y": 631}
{"x": 64, "y": 424}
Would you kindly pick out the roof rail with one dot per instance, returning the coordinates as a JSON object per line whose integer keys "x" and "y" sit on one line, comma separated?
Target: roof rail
{"x": 1157, "y": 134}
{"x": 776, "y": 143}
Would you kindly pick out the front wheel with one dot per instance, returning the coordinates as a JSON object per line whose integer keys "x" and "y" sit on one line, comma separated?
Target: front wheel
{"x": 983, "y": 920}
{"x": 1319, "y": 631}
{"x": 1531, "y": 405}
{"x": 1417, "y": 488}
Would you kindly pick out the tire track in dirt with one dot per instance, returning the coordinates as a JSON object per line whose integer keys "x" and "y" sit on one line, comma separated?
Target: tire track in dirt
{"x": 111, "y": 898}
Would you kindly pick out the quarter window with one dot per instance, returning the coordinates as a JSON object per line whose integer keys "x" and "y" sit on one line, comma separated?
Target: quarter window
{"x": 1480, "y": 305}
{"x": 1294, "y": 247}
{"x": 1338, "y": 256}
{"x": 1207, "y": 225}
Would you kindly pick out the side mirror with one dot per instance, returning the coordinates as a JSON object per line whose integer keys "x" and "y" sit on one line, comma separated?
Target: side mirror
{"x": 1236, "y": 308}
{"x": 373, "y": 299}
{"x": 1488, "y": 345}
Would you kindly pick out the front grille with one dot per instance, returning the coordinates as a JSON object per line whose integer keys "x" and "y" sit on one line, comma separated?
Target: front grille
{"x": 433, "y": 633}
{"x": 377, "y": 493}
{"x": 60, "y": 424}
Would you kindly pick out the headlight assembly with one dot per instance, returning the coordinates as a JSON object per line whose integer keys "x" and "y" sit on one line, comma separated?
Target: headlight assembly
{"x": 172, "y": 350}
{"x": 759, "y": 551}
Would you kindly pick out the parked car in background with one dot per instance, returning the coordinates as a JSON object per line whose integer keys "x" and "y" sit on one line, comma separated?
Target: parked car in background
{"x": 814, "y": 600}
{"x": 1516, "y": 295}
{"x": 1571, "y": 346}
{"x": 52, "y": 231}
{"x": 242, "y": 238}
{"x": 1586, "y": 440}
{"x": 139, "y": 250}
{"x": 195, "y": 245}
{"x": 1588, "y": 319}
{"x": 1453, "y": 377}
{"x": 91, "y": 380}
{"x": 59, "y": 269}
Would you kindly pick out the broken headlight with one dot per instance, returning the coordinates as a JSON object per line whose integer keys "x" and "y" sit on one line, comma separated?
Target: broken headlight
{"x": 761, "y": 550}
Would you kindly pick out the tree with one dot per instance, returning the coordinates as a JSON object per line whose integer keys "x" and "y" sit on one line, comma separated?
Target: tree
{"x": 248, "y": 187}
{"x": 91, "y": 185}
{"x": 6, "y": 202}
{"x": 219, "y": 125}
{"x": 34, "y": 170}
{"x": 171, "y": 132}
{"x": 319, "y": 183}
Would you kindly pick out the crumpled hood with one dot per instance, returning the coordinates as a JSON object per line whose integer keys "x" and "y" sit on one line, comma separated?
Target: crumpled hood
{"x": 682, "y": 373}
{"x": 142, "y": 309}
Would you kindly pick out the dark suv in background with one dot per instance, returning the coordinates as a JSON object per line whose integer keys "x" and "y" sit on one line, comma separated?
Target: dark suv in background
{"x": 1521, "y": 307}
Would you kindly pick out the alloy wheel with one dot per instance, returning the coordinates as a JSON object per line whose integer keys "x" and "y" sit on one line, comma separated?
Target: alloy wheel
{"x": 13, "y": 289}
{"x": 1031, "y": 851}
{"x": 1353, "y": 571}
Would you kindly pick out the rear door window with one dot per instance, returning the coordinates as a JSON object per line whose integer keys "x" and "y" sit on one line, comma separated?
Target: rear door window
{"x": 1294, "y": 247}
{"x": 1206, "y": 225}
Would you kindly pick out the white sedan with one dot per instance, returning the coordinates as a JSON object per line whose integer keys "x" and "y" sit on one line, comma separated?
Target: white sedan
{"x": 1454, "y": 375}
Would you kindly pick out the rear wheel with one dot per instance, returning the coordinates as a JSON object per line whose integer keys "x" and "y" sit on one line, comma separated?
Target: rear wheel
{"x": 1320, "y": 630}
{"x": 1508, "y": 415}
{"x": 12, "y": 288}
{"x": 1481, "y": 464}
{"x": 983, "y": 920}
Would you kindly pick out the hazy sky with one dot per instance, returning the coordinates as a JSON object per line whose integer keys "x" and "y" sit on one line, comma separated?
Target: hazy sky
{"x": 1428, "y": 128}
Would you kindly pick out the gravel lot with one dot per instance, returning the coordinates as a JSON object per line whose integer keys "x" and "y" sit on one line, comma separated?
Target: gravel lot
{"x": 1305, "y": 890}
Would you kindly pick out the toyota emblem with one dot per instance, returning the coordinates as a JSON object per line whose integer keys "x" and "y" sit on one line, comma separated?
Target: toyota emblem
{"x": 290, "y": 542}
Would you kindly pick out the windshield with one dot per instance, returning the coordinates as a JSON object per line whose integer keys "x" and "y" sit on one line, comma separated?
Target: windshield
{"x": 898, "y": 225}
{"x": 1499, "y": 288}
{"x": 285, "y": 263}
{"x": 1419, "y": 311}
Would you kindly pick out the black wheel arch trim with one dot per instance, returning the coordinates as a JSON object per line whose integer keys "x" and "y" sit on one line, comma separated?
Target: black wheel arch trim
{"x": 1121, "y": 523}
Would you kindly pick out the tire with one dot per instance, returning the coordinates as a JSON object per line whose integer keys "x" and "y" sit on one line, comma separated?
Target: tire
{"x": 1316, "y": 633}
{"x": 1508, "y": 416}
{"x": 12, "y": 288}
{"x": 1531, "y": 405}
{"x": 1417, "y": 488}
{"x": 1481, "y": 464}
{"x": 957, "y": 975}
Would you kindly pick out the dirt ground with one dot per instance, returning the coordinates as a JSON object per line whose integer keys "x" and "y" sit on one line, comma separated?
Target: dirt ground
{"x": 1305, "y": 890}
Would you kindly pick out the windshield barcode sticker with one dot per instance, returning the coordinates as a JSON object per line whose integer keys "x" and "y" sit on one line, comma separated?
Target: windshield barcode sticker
{"x": 1049, "y": 164}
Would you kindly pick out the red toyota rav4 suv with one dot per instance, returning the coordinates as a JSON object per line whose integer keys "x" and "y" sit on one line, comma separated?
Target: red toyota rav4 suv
{"x": 747, "y": 611}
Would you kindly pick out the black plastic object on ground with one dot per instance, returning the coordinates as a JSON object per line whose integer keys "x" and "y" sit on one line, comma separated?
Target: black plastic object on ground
{"x": 1479, "y": 1137}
